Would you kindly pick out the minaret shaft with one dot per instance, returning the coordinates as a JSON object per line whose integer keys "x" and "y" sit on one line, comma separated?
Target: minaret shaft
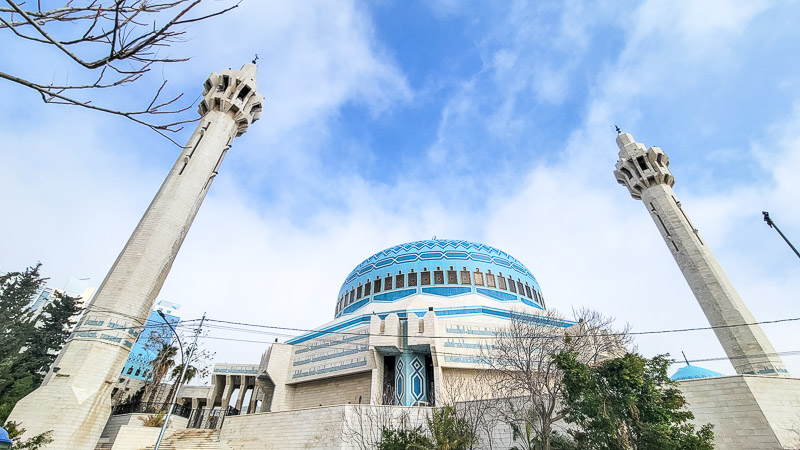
{"x": 747, "y": 347}
{"x": 646, "y": 175}
{"x": 74, "y": 401}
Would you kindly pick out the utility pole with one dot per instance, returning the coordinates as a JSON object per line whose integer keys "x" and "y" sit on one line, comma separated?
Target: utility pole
{"x": 772, "y": 225}
{"x": 180, "y": 378}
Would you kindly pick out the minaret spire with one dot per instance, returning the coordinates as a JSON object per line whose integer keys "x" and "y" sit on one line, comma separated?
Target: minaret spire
{"x": 74, "y": 401}
{"x": 646, "y": 175}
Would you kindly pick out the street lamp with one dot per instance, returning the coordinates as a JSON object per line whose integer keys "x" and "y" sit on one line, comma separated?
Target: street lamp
{"x": 772, "y": 225}
{"x": 178, "y": 381}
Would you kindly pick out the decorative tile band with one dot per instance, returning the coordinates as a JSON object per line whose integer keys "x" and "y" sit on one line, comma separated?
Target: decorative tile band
{"x": 323, "y": 370}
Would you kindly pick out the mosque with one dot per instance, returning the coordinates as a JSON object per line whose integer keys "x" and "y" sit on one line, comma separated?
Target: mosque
{"x": 407, "y": 322}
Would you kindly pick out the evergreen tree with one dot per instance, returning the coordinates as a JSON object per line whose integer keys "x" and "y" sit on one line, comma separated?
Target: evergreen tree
{"x": 51, "y": 332}
{"x": 29, "y": 344}
{"x": 16, "y": 291}
{"x": 628, "y": 403}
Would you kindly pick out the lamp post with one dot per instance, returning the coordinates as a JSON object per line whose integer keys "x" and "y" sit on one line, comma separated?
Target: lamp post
{"x": 185, "y": 361}
{"x": 772, "y": 225}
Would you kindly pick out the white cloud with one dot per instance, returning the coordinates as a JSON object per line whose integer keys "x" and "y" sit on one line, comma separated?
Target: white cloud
{"x": 250, "y": 258}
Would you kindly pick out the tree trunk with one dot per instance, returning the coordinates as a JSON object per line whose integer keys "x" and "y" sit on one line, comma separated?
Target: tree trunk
{"x": 545, "y": 433}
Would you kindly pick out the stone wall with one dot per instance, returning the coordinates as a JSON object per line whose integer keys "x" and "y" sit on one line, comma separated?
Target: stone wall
{"x": 748, "y": 412}
{"x": 332, "y": 391}
{"x": 340, "y": 427}
{"x": 134, "y": 436}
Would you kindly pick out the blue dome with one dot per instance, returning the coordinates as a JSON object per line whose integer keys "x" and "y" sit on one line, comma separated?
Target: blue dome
{"x": 442, "y": 262}
{"x": 690, "y": 372}
{"x": 4, "y": 439}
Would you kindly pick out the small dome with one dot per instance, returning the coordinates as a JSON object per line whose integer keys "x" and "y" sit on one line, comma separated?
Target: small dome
{"x": 690, "y": 372}
{"x": 4, "y": 439}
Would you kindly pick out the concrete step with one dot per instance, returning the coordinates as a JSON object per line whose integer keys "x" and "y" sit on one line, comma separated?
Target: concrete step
{"x": 192, "y": 439}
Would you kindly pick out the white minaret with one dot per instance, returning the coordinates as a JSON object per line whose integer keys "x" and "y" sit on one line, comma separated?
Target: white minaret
{"x": 646, "y": 174}
{"x": 75, "y": 399}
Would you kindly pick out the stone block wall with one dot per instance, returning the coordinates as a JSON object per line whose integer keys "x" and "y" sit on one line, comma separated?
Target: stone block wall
{"x": 748, "y": 412}
{"x": 319, "y": 428}
{"x": 135, "y": 436}
{"x": 340, "y": 427}
{"x": 332, "y": 391}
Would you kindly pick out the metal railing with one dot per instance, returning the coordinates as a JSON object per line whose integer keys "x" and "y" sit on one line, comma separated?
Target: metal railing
{"x": 151, "y": 408}
{"x": 210, "y": 418}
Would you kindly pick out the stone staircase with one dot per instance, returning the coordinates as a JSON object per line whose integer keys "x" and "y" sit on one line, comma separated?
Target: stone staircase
{"x": 192, "y": 439}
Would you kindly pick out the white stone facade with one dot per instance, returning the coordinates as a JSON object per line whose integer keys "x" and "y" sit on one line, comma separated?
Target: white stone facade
{"x": 747, "y": 411}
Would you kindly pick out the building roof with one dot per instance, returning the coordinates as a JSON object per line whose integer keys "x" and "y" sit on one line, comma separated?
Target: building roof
{"x": 444, "y": 260}
{"x": 690, "y": 372}
{"x": 437, "y": 252}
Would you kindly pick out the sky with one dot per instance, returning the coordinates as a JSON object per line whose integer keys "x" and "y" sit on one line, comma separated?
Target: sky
{"x": 393, "y": 121}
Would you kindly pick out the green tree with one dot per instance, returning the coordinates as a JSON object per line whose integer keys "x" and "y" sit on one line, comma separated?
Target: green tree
{"x": 191, "y": 372}
{"x": 50, "y": 334}
{"x": 448, "y": 431}
{"x": 16, "y": 291}
{"x": 415, "y": 438}
{"x": 16, "y": 325}
{"x": 34, "y": 443}
{"x": 163, "y": 362}
{"x": 521, "y": 356}
{"x": 528, "y": 439}
{"x": 628, "y": 403}
{"x": 29, "y": 344}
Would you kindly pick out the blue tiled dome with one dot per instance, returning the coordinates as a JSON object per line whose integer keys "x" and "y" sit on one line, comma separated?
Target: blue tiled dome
{"x": 445, "y": 259}
{"x": 4, "y": 439}
{"x": 690, "y": 372}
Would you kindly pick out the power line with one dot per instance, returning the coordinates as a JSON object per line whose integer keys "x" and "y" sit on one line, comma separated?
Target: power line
{"x": 630, "y": 333}
{"x": 443, "y": 353}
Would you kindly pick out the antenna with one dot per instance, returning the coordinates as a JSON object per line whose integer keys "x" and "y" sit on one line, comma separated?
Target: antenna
{"x": 684, "y": 358}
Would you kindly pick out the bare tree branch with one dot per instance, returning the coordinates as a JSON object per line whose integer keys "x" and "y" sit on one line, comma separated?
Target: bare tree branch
{"x": 100, "y": 37}
{"x": 528, "y": 377}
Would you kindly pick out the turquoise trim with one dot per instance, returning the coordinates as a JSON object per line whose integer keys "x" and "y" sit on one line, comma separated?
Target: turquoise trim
{"x": 390, "y": 296}
{"x": 440, "y": 312}
{"x": 448, "y": 291}
{"x": 497, "y": 295}
{"x": 355, "y": 306}
{"x": 530, "y": 302}
{"x": 437, "y": 253}
{"x": 360, "y": 320}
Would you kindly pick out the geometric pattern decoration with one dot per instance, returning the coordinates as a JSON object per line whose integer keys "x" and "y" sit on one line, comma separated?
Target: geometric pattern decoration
{"x": 410, "y": 379}
{"x": 399, "y": 381}
{"x": 439, "y": 251}
{"x": 417, "y": 379}
{"x": 432, "y": 250}
{"x": 459, "y": 265}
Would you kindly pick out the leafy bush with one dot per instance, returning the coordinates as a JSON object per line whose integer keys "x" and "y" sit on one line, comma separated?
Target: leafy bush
{"x": 445, "y": 431}
{"x": 34, "y": 443}
{"x": 404, "y": 439}
{"x": 154, "y": 420}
